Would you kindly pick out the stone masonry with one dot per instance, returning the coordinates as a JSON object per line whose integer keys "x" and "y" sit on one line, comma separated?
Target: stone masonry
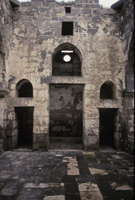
{"x": 33, "y": 38}
{"x": 66, "y": 175}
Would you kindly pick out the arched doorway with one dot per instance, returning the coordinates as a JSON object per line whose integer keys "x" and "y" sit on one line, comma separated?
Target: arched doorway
{"x": 24, "y": 114}
{"x": 66, "y": 100}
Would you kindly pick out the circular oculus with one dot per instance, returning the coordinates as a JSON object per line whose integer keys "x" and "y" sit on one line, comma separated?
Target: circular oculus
{"x": 67, "y": 58}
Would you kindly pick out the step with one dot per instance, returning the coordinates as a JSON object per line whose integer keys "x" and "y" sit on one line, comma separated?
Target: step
{"x": 65, "y": 143}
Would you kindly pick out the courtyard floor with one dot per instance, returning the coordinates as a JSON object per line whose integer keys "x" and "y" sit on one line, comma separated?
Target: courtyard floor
{"x": 66, "y": 175}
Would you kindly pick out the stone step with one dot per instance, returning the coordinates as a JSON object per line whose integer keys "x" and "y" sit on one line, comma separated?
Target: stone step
{"x": 65, "y": 143}
{"x": 66, "y": 139}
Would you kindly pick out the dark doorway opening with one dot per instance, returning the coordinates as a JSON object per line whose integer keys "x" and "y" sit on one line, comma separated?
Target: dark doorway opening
{"x": 107, "y": 127}
{"x": 66, "y": 116}
{"x": 24, "y": 116}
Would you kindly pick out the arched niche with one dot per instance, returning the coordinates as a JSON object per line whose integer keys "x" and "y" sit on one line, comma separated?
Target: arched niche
{"x": 66, "y": 61}
{"x": 24, "y": 88}
{"x": 108, "y": 90}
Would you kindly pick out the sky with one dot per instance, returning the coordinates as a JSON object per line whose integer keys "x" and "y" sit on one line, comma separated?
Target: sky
{"x": 104, "y": 3}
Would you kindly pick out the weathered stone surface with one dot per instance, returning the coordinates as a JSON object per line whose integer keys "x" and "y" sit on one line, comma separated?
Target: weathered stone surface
{"x": 31, "y": 36}
{"x": 55, "y": 197}
{"x": 126, "y": 9}
{"x": 37, "y": 175}
{"x": 124, "y": 187}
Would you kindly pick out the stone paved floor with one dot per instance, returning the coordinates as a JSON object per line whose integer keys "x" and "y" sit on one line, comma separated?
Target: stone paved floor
{"x": 66, "y": 175}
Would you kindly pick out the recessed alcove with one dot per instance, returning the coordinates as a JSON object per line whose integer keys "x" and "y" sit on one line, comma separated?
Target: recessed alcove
{"x": 66, "y": 61}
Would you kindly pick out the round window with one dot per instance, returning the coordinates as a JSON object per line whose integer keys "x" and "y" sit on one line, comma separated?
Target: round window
{"x": 67, "y": 58}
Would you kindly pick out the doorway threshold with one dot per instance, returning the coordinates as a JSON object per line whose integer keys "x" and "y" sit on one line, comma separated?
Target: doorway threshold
{"x": 105, "y": 148}
{"x": 65, "y": 143}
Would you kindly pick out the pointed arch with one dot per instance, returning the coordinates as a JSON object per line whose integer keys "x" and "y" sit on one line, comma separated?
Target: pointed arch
{"x": 24, "y": 88}
{"x": 66, "y": 61}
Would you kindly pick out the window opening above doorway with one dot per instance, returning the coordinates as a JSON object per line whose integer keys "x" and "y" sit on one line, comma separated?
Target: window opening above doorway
{"x": 67, "y": 28}
{"x": 68, "y": 9}
{"x": 66, "y": 61}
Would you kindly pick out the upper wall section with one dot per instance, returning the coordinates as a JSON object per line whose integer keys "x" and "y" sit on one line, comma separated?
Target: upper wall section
{"x": 5, "y": 38}
{"x": 51, "y": 12}
{"x": 38, "y": 31}
{"x": 128, "y": 26}
{"x": 56, "y": 12}
{"x": 128, "y": 16}
{"x": 5, "y": 24}
{"x": 126, "y": 10}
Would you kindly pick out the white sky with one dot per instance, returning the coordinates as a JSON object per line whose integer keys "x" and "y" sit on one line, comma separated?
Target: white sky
{"x": 104, "y": 3}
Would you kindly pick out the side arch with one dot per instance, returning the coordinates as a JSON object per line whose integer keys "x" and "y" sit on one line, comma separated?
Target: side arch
{"x": 108, "y": 90}
{"x": 24, "y": 88}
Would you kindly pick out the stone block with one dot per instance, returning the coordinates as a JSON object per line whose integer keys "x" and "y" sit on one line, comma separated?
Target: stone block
{"x": 40, "y": 146}
{"x": 86, "y": 11}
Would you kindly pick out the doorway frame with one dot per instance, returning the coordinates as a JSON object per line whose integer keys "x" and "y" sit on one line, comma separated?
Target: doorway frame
{"x": 15, "y": 108}
{"x": 115, "y": 133}
{"x": 82, "y": 142}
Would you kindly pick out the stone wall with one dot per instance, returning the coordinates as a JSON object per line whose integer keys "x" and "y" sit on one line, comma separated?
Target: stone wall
{"x": 128, "y": 101}
{"x": 5, "y": 38}
{"x": 36, "y": 37}
{"x": 37, "y": 33}
{"x": 126, "y": 12}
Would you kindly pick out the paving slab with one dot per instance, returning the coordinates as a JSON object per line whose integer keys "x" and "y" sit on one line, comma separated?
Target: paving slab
{"x": 66, "y": 175}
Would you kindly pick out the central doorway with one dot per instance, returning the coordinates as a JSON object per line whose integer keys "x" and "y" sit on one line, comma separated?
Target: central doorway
{"x": 24, "y": 117}
{"x": 66, "y": 116}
